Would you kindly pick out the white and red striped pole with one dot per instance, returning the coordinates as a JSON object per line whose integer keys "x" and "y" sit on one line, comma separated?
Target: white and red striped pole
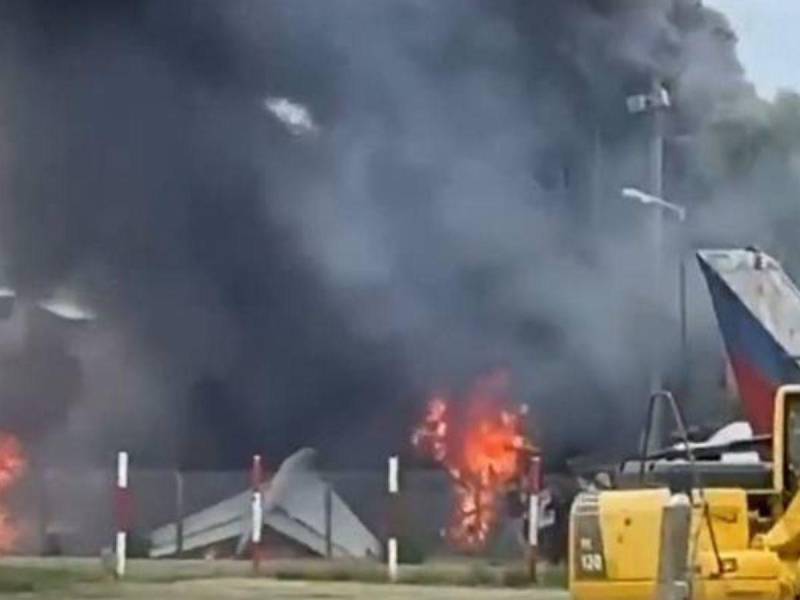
{"x": 394, "y": 490}
{"x": 535, "y": 486}
{"x": 123, "y": 512}
{"x": 257, "y": 511}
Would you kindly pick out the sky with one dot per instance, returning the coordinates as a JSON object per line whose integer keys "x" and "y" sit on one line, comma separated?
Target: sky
{"x": 768, "y": 41}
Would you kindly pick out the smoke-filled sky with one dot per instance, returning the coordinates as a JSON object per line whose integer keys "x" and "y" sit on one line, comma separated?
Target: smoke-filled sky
{"x": 296, "y": 218}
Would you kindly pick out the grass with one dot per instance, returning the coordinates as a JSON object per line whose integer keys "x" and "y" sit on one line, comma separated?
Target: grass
{"x": 16, "y": 579}
{"x": 480, "y": 575}
{"x": 49, "y": 576}
{"x": 451, "y": 573}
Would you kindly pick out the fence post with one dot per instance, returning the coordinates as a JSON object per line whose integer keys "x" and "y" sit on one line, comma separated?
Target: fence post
{"x": 122, "y": 502}
{"x": 328, "y": 500}
{"x": 43, "y": 506}
{"x": 535, "y": 483}
{"x": 257, "y": 476}
{"x": 394, "y": 490}
{"x": 179, "y": 511}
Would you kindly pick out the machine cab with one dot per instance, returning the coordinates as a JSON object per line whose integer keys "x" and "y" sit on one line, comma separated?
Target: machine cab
{"x": 786, "y": 440}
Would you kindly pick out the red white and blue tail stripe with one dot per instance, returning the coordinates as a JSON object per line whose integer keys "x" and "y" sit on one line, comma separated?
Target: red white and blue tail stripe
{"x": 758, "y": 311}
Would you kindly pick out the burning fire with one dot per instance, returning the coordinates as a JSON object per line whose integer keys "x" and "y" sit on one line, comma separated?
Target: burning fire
{"x": 12, "y": 466}
{"x": 480, "y": 442}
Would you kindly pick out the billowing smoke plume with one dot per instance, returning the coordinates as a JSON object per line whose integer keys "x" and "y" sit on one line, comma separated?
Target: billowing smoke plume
{"x": 294, "y": 218}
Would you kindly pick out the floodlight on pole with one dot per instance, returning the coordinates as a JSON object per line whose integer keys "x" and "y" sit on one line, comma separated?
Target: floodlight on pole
{"x": 657, "y": 98}
{"x": 654, "y": 103}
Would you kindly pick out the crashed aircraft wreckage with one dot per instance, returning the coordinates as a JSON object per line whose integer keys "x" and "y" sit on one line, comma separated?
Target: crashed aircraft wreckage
{"x": 293, "y": 506}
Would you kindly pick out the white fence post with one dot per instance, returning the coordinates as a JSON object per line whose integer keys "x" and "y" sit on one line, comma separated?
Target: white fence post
{"x": 257, "y": 509}
{"x": 122, "y": 511}
{"x": 394, "y": 490}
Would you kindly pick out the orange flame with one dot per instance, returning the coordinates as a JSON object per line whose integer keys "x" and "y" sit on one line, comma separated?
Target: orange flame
{"x": 12, "y": 467}
{"x": 482, "y": 446}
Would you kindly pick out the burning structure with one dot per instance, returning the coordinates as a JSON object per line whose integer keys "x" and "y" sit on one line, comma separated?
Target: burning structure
{"x": 480, "y": 441}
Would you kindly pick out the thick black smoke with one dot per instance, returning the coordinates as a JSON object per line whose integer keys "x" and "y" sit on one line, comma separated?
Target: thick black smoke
{"x": 452, "y": 206}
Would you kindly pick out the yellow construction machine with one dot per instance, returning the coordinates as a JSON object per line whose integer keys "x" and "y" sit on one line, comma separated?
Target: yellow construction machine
{"x": 689, "y": 523}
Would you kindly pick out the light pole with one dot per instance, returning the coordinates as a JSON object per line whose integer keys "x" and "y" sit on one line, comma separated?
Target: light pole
{"x": 660, "y": 206}
{"x": 653, "y": 103}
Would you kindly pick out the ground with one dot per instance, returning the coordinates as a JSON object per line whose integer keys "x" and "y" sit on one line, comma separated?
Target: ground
{"x": 50, "y": 579}
{"x": 244, "y": 589}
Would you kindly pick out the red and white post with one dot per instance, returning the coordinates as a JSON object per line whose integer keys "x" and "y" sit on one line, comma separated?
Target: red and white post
{"x": 534, "y": 490}
{"x": 257, "y": 511}
{"x": 394, "y": 490}
{"x": 122, "y": 502}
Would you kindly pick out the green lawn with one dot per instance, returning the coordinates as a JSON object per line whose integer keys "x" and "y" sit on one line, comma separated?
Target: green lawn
{"x": 35, "y": 578}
